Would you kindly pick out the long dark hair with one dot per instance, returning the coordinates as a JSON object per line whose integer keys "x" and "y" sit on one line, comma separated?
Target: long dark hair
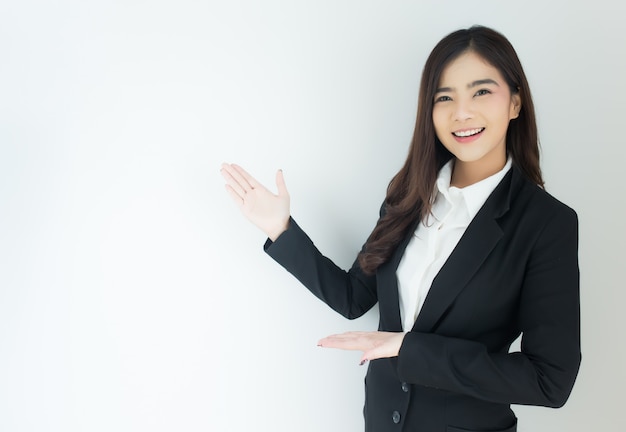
{"x": 409, "y": 192}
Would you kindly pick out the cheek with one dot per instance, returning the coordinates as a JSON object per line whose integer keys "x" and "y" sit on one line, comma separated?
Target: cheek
{"x": 441, "y": 126}
{"x": 500, "y": 106}
{"x": 438, "y": 118}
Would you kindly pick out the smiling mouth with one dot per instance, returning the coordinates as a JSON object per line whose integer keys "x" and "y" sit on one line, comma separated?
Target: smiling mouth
{"x": 468, "y": 133}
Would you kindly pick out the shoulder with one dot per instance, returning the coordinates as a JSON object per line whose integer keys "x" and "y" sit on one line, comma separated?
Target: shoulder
{"x": 541, "y": 200}
{"x": 539, "y": 212}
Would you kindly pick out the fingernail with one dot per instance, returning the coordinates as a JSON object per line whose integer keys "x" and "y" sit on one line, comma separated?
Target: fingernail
{"x": 363, "y": 362}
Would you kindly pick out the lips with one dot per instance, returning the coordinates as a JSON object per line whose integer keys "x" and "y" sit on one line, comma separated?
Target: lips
{"x": 467, "y": 132}
{"x": 467, "y": 136}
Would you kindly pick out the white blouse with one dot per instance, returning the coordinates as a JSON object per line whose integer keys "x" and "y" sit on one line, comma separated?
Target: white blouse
{"x": 434, "y": 239}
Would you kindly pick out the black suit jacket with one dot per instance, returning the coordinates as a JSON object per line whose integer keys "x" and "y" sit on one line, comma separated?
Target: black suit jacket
{"x": 514, "y": 271}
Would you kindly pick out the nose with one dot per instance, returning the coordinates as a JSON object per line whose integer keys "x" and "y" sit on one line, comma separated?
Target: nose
{"x": 463, "y": 110}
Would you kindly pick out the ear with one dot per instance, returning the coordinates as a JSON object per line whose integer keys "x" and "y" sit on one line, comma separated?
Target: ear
{"x": 516, "y": 106}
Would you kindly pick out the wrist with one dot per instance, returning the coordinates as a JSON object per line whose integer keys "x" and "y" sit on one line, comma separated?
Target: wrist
{"x": 275, "y": 233}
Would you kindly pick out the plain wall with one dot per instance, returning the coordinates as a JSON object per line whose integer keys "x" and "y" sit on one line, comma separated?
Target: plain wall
{"x": 134, "y": 296}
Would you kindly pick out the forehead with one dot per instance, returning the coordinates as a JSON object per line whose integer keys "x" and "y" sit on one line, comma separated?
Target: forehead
{"x": 466, "y": 68}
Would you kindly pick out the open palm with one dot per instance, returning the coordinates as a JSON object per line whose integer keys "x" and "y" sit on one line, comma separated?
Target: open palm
{"x": 266, "y": 210}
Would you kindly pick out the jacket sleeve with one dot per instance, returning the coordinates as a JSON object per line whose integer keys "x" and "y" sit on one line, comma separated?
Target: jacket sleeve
{"x": 350, "y": 293}
{"x": 544, "y": 372}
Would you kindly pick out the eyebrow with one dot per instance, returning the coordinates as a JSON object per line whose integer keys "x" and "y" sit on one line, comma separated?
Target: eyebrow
{"x": 469, "y": 86}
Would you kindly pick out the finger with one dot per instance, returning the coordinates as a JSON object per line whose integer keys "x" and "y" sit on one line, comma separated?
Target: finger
{"x": 330, "y": 341}
{"x": 352, "y": 335}
{"x": 372, "y": 354}
{"x": 235, "y": 185}
{"x": 368, "y": 355}
{"x": 234, "y": 195}
{"x": 246, "y": 176}
{"x": 280, "y": 183}
{"x": 355, "y": 341}
{"x": 238, "y": 177}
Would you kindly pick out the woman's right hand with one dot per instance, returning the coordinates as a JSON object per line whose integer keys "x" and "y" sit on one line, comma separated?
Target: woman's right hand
{"x": 264, "y": 209}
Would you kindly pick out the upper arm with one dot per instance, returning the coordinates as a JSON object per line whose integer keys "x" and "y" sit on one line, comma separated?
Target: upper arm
{"x": 549, "y": 312}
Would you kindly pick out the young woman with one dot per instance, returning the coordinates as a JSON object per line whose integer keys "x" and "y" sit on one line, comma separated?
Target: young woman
{"x": 469, "y": 252}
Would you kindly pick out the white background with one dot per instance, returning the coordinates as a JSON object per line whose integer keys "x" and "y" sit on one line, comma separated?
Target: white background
{"x": 134, "y": 297}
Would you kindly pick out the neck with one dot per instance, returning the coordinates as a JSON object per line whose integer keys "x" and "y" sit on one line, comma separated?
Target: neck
{"x": 467, "y": 173}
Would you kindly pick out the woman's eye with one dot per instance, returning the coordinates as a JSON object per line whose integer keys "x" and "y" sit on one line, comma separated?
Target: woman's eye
{"x": 443, "y": 99}
{"x": 482, "y": 92}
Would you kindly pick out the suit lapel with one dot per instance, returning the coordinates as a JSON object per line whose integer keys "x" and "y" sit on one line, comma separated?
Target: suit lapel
{"x": 390, "y": 309}
{"x": 481, "y": 236}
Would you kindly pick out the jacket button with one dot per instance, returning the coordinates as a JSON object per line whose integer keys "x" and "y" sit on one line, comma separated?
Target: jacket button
{"x": 405, "y": 387}
{"x": 395, "y": 417}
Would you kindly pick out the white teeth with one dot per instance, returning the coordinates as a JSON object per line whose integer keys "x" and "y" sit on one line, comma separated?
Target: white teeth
{"x": 467, "y": 133}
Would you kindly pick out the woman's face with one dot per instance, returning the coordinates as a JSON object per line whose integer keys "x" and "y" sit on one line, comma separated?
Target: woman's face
{"x": 472, "y": 109}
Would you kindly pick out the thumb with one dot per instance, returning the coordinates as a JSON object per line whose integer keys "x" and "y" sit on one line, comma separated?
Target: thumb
{"x": 280, "y": 183}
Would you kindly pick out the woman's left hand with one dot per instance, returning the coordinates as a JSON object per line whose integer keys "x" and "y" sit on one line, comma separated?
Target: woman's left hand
{"x": 374, "y": 345}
